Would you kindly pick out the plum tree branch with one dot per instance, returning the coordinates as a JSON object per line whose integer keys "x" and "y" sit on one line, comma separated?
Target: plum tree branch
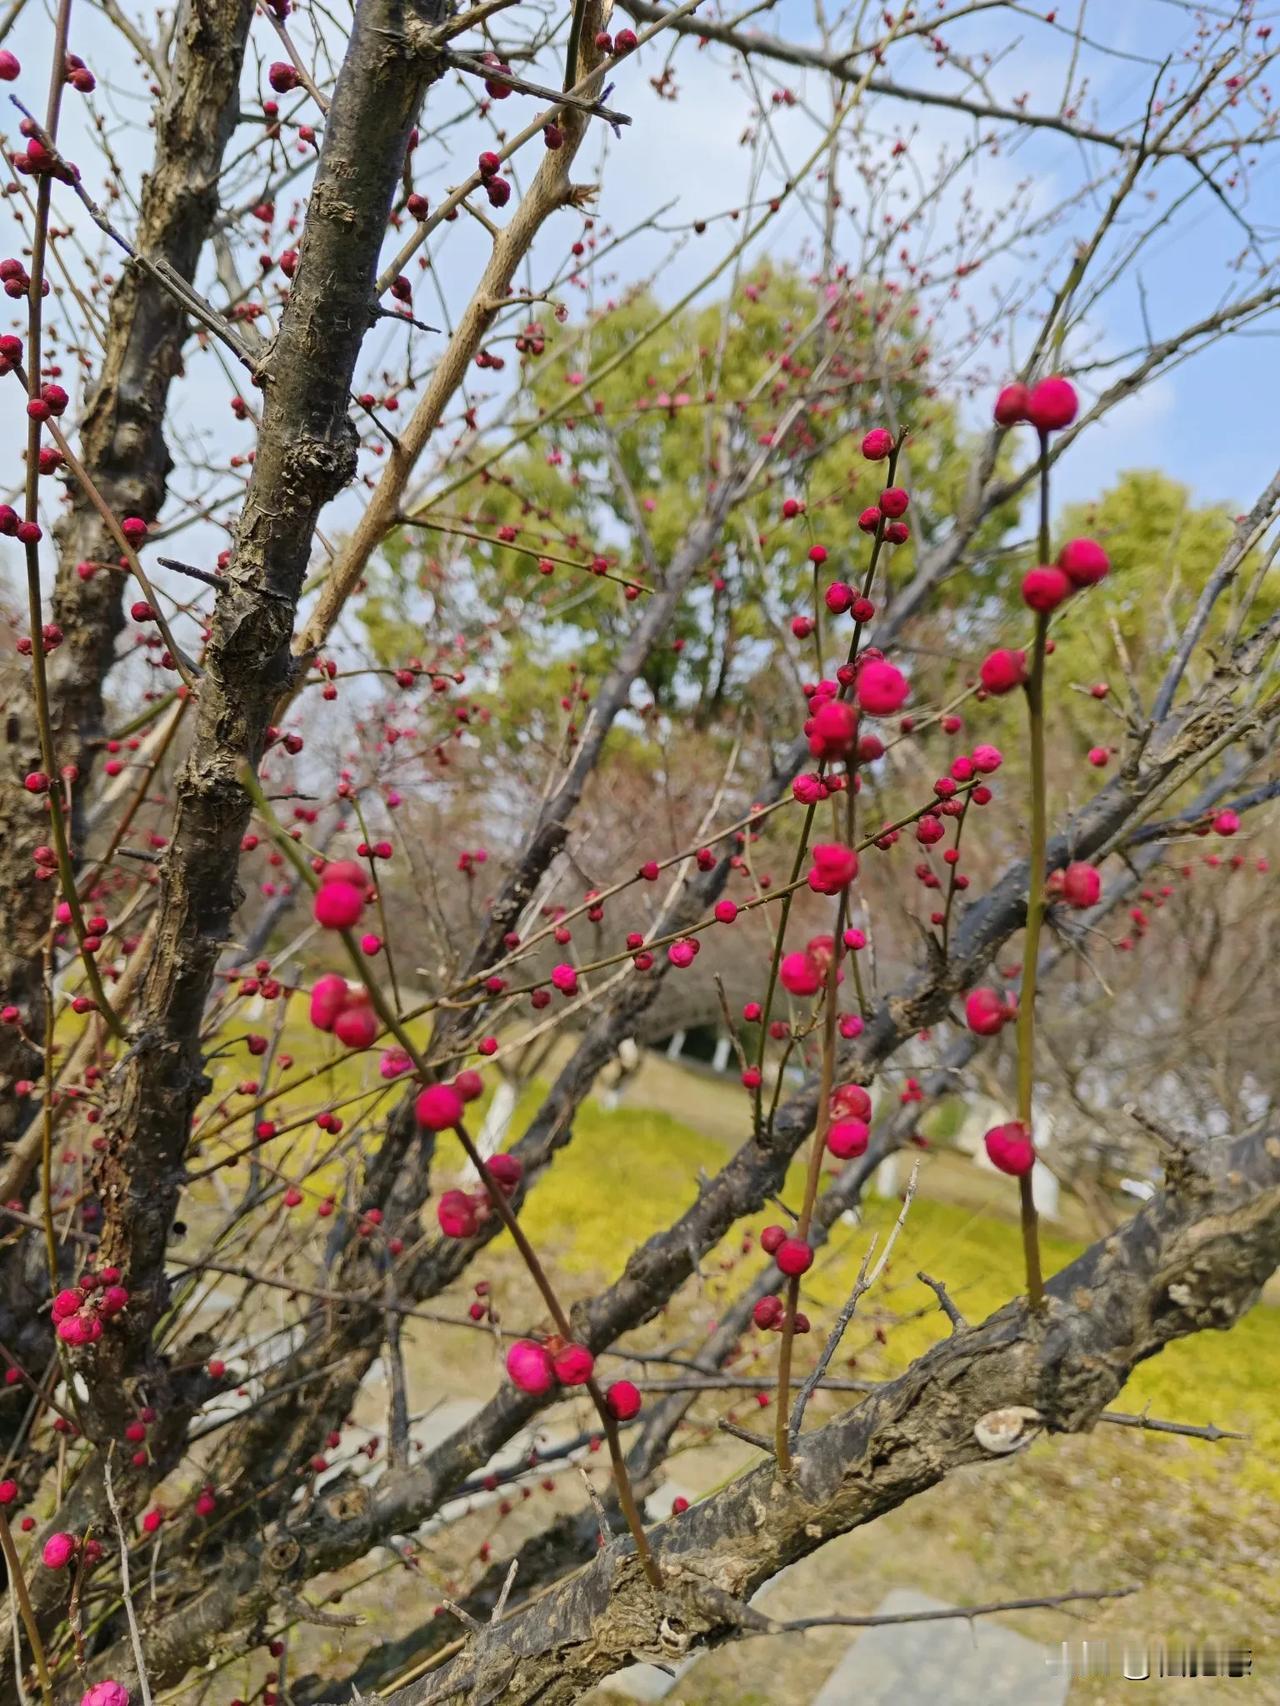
{"x": 1191, "y": 1260}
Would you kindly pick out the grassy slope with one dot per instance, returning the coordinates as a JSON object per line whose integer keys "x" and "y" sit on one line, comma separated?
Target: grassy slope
{"x": 1194, "y": 1524}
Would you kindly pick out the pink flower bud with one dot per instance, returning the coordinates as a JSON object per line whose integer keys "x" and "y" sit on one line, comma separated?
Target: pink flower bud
{"x": 624, "y": 1400}
{"x": 356, "y": 1026}
{"x": 105, "y": 1694}
{"x": 851, "y": 1101}
{"x": 1081, "y": 884}
{"x": 986, "y": 1012}
{"x": 456, "y": 1214}
{"x": 832, "y": 729}
{"x": 848, "y": 1138}
{"x": 337, "y": 905}
{"x": 834, "y": 868}
{"x": 1045, "y": 588}
{"x": 59, "y": 1550}
{"x": 1011, "y": 405}
{"x": 881, "y": 688}
{"x": 67, "y": 1303}
{"x": 1053, "y": 404}
{"x": 1003, "y": 670}
{"x": 794, "y": 1256}
{"x": 1084, "y": 562}
{"x": 986, "y": 759}
{"x": 438, "y": 1107}
{"x": 573, "y": 1365}
{"x": 1009, "y": 1148}
{"x": 328, "y": 998}
{"x": 506, "y": 1171}
{"x": 530, "y": 1368}
{"x": 799, "y": 974}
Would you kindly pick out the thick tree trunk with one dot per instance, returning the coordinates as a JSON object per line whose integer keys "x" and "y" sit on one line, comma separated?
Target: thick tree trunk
{"x": 306, "y": 453}
{"x": 122, "y": 447}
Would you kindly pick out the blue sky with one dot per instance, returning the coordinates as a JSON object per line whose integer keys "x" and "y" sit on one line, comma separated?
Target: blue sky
{"x": 1208, "y": 423}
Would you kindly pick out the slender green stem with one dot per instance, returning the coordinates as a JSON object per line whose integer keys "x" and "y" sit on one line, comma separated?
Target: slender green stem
{"x": 806, "y": 829}
{"x": 1026, "y": 1032}
{"x": 951, "y": 883}
{"x": 18, "y": 1582}
{"x": 781, "y": 1420}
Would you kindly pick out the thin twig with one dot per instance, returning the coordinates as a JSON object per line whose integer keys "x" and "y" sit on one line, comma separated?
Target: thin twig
{"x": 862, "y": 1285}
{"x": 948, "y": 1308}
{"x": 476, "y": 66}
{"x": 126, "y": 1592}
{"x": 1187, "y": 1430}
{"x": 948, "y": 1613}
{"x": 18, "y": 1586}
{"x": 602, "y": 1521}
{"x": 745, "y": 1434}
{"x": 189, "y": 569}
{"x": 501, "y": 1602}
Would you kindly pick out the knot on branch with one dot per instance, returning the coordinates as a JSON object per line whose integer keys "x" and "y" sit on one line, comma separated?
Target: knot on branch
{"x": 323, "y": 466}
{"x": 283, "y": 1556}
{"x": 422, "y": 44}
{"x": 1202, "y": 1306}
{"x": 348, "y": 1503}
{"x": 1003, "y": 1431}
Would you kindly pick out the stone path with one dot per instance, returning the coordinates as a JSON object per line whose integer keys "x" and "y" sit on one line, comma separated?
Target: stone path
{"x": 924, "y": 1664}
{"x": 913, "y": 1664}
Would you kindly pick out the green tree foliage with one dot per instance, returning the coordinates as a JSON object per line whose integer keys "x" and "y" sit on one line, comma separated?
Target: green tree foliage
{"x": 1163, "y": 547}
{"x": 621, "y": 479}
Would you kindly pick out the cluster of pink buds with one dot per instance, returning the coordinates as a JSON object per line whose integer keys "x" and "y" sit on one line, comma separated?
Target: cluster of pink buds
{"x": 496, "y": 187}
{"x": 345, "y": 1012}
{"x": 536, "y": 1366}
{"x": 987, "y": 1012}
{"x": 794, "y": 1256}
{"x": 461, "y": 1214}
{"x": 78, "y": 75}
{"x": 16, "y": 282}
{"x": 804, "y": 971}
{"x": 623, "y": 43}
{"x": 81, "y": 1311}
{"x": 769, "y": 1313}
{"x": 1048, "y": 406}
{"x": 40, "y": 160}
{"x": 1081, "y": 563}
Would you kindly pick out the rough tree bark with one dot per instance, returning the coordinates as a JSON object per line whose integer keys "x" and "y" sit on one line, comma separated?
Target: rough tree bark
{"x": 122, "y": 447}
{"x": 306, "y": 453}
